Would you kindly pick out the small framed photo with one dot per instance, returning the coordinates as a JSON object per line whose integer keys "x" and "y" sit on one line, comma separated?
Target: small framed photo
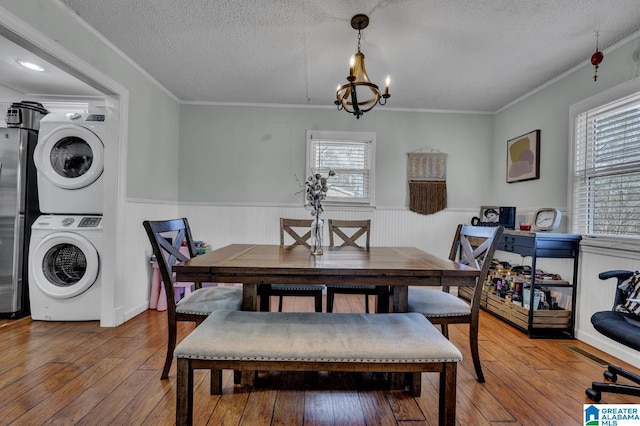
{"x": 490, "y": 214}
{"x": 523, "y": 157}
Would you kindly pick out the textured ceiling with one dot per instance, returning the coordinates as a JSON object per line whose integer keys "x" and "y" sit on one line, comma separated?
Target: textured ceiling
{"x": 472, "y": 55}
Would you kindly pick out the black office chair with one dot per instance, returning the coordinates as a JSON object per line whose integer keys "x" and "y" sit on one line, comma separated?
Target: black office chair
{"x": 623, "y": 326}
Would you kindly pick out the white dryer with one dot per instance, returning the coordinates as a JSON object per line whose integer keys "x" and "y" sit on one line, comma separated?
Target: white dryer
{"x": 64, "y": 268}
{"x": 69, "y": 157}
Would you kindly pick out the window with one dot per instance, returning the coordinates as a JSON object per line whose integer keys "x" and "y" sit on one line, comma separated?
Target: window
{"x": 606, "y": 168}
{"x": 352, "y": 156}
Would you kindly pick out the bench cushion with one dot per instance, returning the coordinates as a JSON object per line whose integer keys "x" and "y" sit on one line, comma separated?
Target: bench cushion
{"x": 319, "y": 337}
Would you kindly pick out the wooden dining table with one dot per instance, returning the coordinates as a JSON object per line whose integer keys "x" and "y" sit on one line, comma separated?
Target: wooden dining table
{"x": 254, "y": 264}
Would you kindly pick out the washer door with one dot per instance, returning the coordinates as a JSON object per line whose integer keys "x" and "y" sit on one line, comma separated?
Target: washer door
{"x": 64, "y": 265}
{"x": 71, "y": 157}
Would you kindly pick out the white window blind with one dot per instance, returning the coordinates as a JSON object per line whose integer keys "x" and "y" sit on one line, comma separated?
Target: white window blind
{"x": 351, "y": 156}
{"x": 606, "y": 179}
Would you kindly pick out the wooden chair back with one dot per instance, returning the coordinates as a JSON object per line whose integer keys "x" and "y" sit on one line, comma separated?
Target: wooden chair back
{"x": 351, "y": 232}
{"x": 294, "y": 228}
{"x": 474, "y": 246}
{"x": 166, "y": 237}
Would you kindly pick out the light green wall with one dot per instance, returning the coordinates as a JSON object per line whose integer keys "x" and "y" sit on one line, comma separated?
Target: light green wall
{"x": 548, "y": 110}
{"x": 152, "y": 168}
{"x": 252, "y": 154}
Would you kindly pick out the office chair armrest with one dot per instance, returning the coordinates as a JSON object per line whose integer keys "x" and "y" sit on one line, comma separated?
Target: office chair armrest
{"x": 620, "y": 274}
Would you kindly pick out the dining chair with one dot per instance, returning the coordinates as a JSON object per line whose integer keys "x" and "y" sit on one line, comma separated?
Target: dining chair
{"x": 473, "y": 246}
{"x": 296, "y": 232}
{"x": 354, "y": 233}
{"x": 166, "y": 237}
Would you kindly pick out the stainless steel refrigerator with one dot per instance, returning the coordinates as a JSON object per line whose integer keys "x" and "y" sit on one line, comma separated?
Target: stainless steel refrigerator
{"x": 18, "y": 207}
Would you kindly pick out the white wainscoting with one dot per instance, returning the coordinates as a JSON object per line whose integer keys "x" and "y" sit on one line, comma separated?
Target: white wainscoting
{"x": 222, "y": 225}
{"x": 134, "y": 280}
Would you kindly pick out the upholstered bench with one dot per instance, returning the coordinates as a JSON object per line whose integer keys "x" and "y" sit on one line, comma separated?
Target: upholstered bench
{"x": 264, "y": 341}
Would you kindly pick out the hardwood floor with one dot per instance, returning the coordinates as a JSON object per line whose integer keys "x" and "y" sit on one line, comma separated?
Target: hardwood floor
{"x": 78, "y": 373}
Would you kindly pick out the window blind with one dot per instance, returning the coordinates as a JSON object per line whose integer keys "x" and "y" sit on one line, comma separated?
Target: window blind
{"x": 350, "y": 159}
{"x": 606, "y": 179}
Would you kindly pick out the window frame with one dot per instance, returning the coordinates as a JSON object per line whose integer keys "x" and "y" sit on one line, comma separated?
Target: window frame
{"x": 346, "y": 137}
{"x": 595, "y": 102}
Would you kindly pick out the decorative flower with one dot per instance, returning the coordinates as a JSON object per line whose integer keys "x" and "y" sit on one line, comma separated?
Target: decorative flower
{"x": 316, "y": 191}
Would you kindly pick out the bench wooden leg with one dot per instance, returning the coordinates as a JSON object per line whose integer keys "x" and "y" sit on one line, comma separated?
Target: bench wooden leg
{"x": 397, "y": 381}
{"x": 184, "y": 393}
{"x": 447, "y": 401}
{"x": 216, "y": 382}
{"x": 415, "y": 383}
{"x": 248, "y": 377}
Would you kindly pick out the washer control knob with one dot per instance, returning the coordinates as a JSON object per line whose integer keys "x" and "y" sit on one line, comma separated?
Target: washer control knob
{"x": 67, "y": 221}
{"x": 74, "y": 116}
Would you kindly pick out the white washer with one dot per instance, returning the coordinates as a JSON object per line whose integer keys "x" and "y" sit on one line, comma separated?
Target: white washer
{"x": 69, "y": 157}
{"x": 64, "y": 268}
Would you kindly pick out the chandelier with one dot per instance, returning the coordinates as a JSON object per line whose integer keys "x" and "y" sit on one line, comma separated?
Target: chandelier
{"x": 359, "y": 95}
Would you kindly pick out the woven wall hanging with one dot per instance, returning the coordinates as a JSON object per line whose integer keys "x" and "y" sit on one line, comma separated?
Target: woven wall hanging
{"x": 427, "y": 175}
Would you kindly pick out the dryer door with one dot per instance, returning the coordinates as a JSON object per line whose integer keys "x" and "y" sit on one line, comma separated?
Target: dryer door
{"x": 70, "y": 156}
{"x": 65, "y": 265}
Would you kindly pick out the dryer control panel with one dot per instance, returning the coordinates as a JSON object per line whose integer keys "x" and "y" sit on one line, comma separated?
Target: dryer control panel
{"x": 89, "y": 222}
{"x": 95, "y": 117}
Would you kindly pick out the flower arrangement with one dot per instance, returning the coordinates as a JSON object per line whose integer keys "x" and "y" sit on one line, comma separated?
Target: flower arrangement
{"x": 316, "y": 191}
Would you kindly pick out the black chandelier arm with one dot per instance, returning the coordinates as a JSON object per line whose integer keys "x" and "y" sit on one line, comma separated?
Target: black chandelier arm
{"x": 354, "y": 100}
{"x": 347, "y": 97}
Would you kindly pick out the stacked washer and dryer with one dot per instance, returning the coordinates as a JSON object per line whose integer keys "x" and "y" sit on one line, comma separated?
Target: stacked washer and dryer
{"x": 66, "y": 241}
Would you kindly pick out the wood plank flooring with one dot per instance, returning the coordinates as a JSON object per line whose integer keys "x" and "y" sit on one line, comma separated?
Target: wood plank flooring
{"x": 66, "y": 373}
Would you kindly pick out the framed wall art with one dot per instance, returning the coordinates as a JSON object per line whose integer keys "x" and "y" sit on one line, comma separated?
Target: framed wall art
{"x": 523, "y": 157}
